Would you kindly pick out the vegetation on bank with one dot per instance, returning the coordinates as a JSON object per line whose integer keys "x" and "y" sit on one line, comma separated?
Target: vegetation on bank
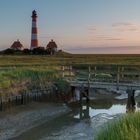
{"x": 15, "y": 80}
{"x": 126, "y": 128}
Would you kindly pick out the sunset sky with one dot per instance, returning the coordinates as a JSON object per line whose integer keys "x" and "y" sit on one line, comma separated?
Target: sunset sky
{"x": 77, "y": 26}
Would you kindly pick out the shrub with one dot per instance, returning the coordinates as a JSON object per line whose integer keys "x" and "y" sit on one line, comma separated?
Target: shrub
{"x": 62, "y": 85}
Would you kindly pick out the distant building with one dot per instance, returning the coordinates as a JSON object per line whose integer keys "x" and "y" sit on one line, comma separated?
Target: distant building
{"x": 17, "y": 45}
{"x": 52, "y": 47}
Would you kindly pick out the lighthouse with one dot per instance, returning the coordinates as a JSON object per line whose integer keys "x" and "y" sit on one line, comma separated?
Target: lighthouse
{"x": 34, "y": 32}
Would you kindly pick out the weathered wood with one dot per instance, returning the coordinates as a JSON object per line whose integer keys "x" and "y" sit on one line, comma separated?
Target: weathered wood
{"x": 106, "y": 85}
{"x": 89, "y": 75}
{"x": 1, "y": 104}
{"x": 122, "y": 72}
{"x": 95, "y": 69}
{"x": 63, "y": 71}
{"x": 81, "y": 97}
{"x": 131, "y": 100}
{"x": 84, "y": 112}
{"x": 118, "y": 77}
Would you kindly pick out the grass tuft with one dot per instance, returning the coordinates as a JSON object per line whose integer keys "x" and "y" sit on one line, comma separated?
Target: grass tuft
{"x": 126, "y": 128}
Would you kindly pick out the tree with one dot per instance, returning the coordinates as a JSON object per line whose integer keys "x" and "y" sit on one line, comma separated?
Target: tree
{"x": 38, "y": 51}
{"x": 9, "y": 51}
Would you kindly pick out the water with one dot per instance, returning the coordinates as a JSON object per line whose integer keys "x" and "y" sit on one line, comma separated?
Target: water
{"x": 82, "y": 123}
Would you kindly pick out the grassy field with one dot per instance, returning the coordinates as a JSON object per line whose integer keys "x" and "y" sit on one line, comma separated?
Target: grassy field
{"x": 69, "y": 59}
{"x": 14, "y": 79}
{"x": 126, "y": 128}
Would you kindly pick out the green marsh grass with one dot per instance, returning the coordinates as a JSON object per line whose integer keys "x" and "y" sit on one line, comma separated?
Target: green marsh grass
{"x": 6, "y": 60}
{"x": 125, "y": 128}
{"x": 14, "y": 80}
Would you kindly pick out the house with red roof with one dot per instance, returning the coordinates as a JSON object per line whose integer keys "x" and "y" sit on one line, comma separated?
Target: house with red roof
{"x": 52, "y": 47}
{"x": 17, "y": 45}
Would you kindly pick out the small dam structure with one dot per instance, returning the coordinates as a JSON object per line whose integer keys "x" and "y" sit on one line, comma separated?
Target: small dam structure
{"x": 82, "y": 77}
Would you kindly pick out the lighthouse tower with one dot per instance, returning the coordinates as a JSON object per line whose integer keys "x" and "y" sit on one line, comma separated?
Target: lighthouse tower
{"x": 34, "y": 34}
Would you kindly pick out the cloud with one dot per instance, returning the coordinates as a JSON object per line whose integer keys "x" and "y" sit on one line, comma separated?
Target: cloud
{"x": 105, "y": 38}
{"x": 92, "y": 29}
{"x": 101, "y": 34}
{"x": 118, "y": 24}
{"x": 125, "y": 26}
{"x": 114, "y": 39}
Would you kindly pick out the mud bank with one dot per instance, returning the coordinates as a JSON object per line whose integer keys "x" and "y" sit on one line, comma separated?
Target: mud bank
{"x": 84, "y": 130}
{"x": 20, "y": 119}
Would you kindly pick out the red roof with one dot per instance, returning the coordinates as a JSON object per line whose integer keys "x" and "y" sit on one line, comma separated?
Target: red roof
{"x": 16, "y": 45}
{"x": 52, "y": 44}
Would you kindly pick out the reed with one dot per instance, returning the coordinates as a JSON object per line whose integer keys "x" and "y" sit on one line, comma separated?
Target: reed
{"x": 14, "y": 80}
{"x": 125, "y": 128}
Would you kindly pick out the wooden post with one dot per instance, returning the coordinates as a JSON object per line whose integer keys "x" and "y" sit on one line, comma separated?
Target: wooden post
{"x": 95, "y": 68}
{"x": 131, "y": 101}
{"x": 118, "y": 77}
{"x": 122, "y": 72}
{"x": 72, "y": 92}
{"x": 63, "y": 71}
{"x": 89, "y": 75}
{"x": 81, "y": 96}
{"x": 1, "y": 104}
{"x": 70, "y": 70}
{"x": 22, "y": 99}
{"x": 16, "y": 101}
{"x": 86, "y": 112}
{"x": 81, "y": 111}
{"x": 9, "y": 103}
{"x": 71, "y": 73}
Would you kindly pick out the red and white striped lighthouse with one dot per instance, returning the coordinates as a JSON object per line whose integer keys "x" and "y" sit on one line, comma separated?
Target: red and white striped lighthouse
{"x": 34, "y": 34}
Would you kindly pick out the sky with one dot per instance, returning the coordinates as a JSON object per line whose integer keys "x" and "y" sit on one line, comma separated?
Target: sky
{"x": 77, "y": 26}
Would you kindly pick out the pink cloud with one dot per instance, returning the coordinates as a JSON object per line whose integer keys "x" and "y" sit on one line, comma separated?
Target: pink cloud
{"x": 125, "y": 26}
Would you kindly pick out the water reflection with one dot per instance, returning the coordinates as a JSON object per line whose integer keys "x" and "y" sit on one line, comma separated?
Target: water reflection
{"x": 86, "y": 111}
{"x": 89, "y": 112}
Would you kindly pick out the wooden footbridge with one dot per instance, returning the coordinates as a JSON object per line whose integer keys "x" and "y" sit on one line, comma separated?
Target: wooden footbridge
{"x": 120, "y": 77}
{"x": 113, "y": 77}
